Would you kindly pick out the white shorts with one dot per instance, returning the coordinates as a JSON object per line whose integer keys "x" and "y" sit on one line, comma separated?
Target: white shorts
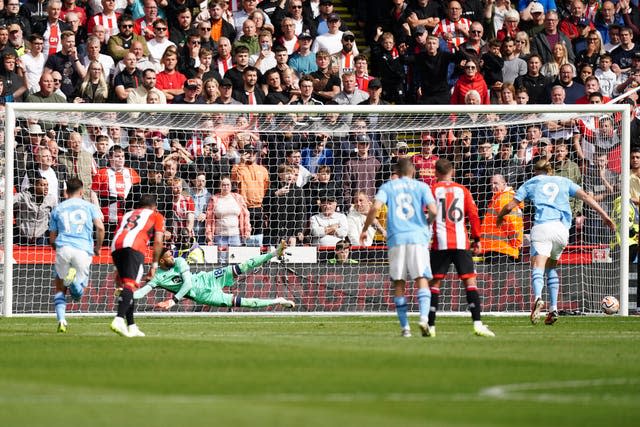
{"x": 67, "y": 257}
{"x": 409, "y": 262}
{"x": 549, "y": 239}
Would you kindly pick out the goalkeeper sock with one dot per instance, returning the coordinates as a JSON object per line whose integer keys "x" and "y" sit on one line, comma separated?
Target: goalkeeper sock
{"x": 125, "y": 300}
{"x": 424, "y": 303}
{"x": 253, "y": 302}
{"x": 473, "y": 301}
{"x": 553, "y": 283}
{"x": 252, "y": 263}
{"x": 401, "y": 309}
{"x": 435, "y": 296}
{"x": 61, "y": 305}
{"x": 130, "y": 312}
{"x": 537, "y": 282}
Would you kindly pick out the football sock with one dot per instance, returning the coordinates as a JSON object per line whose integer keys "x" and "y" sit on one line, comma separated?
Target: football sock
{"x": 424, "y": 303}
{"x": 401, "y": 309}
{"x": 253, "y": 263}
{"x": 125, "y": 300}
{"x": 473, "y": 301}
{"x": 435, "y": 296}
{"x": 253, "y": 302}
{"x": 130, "y": 312}
{"x": 537, "y": 282}
{"x": 553, "y": 283}
{"x": 61, "y": 305}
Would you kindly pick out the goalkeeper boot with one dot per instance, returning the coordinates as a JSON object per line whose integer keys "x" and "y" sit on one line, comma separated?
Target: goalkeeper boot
{"x": 552, "y": 317}
{"x": 405, "y": 333}
{"x": 134, "y": 331}
{"x": 62, "y": 327}
{"x": 483, "y": 330}
{"x": 535, "y": 311}
{"x": 285, "y": 302}
{"x": 120, "y": 327}
{"x": 71, "y": 275}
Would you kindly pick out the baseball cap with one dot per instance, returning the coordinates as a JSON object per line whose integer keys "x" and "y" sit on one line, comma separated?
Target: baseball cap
{"x": 375, "y": 84}
{"x": 155, "y": 135}
{"x": 348, "y": 34}
{"x": 305, "y": 35}
{"x": 536, "y": 8}
{"x": 420, "y": 29}
{"x": 362, "y": 139}
{"x": 333, "y": 17}
{"x": 583, "y": 22}
{"x": 191, "y": 84}
{"x": 636, "y": 55}
{"x": 226, "y": 82}
{"x": 401, "y": 144}
{"x": 35, "y": 130}
{"x": 326, "y": 2}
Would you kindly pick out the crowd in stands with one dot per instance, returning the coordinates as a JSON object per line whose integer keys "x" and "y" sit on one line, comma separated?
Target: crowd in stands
{"x": 227, "y": 182}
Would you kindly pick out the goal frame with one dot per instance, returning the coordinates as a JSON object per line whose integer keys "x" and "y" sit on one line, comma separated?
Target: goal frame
{"x": 13, "y": 108}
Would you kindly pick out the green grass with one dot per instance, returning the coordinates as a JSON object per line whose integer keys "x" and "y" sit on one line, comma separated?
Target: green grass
{"x": 300, "y": 371}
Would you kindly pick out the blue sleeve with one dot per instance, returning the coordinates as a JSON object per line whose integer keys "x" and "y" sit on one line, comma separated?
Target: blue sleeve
{"x": 185, "y": 271}
{"x": 428, "y": 195}
{"x": 573, "y": 188}
{"x": 95, "y": 212}
{"x": 382, "y": 194}
{"x": 522, "y": 192}
{"x": 53, "y": 222}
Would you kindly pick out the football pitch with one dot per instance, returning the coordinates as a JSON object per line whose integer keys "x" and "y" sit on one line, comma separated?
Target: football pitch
{"x": 319, "y": 371}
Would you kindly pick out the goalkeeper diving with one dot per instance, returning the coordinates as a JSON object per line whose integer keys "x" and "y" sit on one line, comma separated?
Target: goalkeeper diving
{"x": 206, "y": 287}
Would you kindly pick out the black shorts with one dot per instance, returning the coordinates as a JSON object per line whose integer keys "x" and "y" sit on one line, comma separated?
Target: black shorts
{"x": 129, "y": 263}
{"x": 461, "y": 259}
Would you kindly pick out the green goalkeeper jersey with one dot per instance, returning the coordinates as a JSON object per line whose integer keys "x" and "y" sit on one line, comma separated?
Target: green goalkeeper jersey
{"x": 180, "y": 281}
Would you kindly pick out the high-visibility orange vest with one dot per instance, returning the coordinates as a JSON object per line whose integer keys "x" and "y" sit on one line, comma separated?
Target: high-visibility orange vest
{"x": 506, "y": 239}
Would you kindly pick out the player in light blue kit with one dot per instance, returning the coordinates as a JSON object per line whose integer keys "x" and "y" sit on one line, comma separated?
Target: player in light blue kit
{"x": 550, "y": 232}
{"x": 408, "y": 237}
{"x": 71, "y": 234}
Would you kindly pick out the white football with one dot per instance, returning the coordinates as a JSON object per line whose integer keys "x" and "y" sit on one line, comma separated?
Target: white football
{"x": 610, "y": 305}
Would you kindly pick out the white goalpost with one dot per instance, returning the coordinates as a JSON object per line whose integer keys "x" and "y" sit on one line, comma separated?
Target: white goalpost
{"x": 346, "y": 153}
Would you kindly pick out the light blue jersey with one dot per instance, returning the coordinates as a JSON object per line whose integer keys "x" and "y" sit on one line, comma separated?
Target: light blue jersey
{"x": 73, "y": 221}
{"x": 550, "y": 196}
{"x": 406, "y": 199}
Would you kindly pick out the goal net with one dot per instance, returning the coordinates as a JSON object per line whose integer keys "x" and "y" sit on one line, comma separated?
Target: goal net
{"x": 232, "y": 181}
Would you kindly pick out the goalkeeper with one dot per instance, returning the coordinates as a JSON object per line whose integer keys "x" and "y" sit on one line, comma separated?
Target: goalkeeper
{"x": 206, "y": 287}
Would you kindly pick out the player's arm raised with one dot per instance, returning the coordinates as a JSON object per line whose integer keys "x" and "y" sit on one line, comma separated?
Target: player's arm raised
{"x": 506, "y": 209}
{"x": 371, "y": 216}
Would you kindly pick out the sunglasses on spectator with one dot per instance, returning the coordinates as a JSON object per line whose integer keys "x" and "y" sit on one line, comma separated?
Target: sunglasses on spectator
{"x": 127, "y": 25}
{"x": 349, "y": 39}
{"x": 296, "y": 6}
{"x": 475, "y": 32}
{"x": 205, "y": 28}
{"x": 469, "y": 67}
{"x": 160, "y": 28}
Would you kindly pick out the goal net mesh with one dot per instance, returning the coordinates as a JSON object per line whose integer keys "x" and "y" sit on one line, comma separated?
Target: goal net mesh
{"x": 291, "y": 170}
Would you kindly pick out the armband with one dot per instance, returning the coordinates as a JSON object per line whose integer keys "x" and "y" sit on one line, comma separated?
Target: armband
{"x": 154, "y": 265}
{"x": 175, "y": 299}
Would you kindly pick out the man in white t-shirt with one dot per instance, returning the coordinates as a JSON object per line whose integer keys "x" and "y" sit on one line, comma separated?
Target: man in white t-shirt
{"x": 33, "y": 63}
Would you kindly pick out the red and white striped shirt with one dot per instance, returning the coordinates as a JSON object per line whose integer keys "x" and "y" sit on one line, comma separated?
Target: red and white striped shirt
{"x": 109, "y": 183}
{"x": 109, "y": 22}
{"x": 137, "y": 228}
{"x": 455, "y": 208}
{"x": 182, "y": 207}
{"x": 224, "y": 65}
{"x": 449, "y": 27}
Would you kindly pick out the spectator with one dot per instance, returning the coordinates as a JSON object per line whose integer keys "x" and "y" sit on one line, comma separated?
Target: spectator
{"x": 508, "y": 94}
{"x": 107, "y": 18}
{"x": 136, "y": 156}
{"x": 614, "y": 38}
{"x": 276, "y": 94}
{"x": 387, "y": 63}
{"x": 144, "y": 26}
{"x": 523, "y": 47}
{"x": 607, "y": 77}
{"x": 158, "y": 45}
{"x": 219, "y": 26}
{"x": 513, "y": 66}
{"x": 470, "y": 80}
{"x": 288, "y": 38}
{"x": 425, "y": 161}
{"x": 5, "y": 47}
{"x": 331, "y": 41}
{"x": 93, "y": 88}
{"x": 623, "y": 54}
{"x": 607, "y": 18}
{"x": 328, "y": 227}
{"x": 227, "y": 220}
{"x": 139, "y": 94}
{"x": 189, "y": 57}
{"x": 52, "y": 28}
{"x": 241, "y": 62}
{"x": 180, "y": 29}
{"x": 570, "y": 25}
{"x": 33, "y": 63}
{"x": 303, "y": 60}
{"x": 250, "y": 93}
{"x": 326, "y": 84}
{"x": 536, "y": 84}
{"x": 211, "y": 91}
{"x": 170, "y": 81}
{"x": 128, "y": 79}
{"x": 201, "y": 198}
{"x": 454, "y": 29}
{"x": 507, "y": 165}
{"x": 113, "y": 185}
{"x": 79, "y": 164}
{"x": 67, "y": 63}
{"x": 346, "y": 57}
{"x": 265, "y": 59}
{"x": 248, "y": 7}
{"x": 80, "y": 31}
{"x": 509, "y": 28}
{"x": 120, "y": 44}
{"x": 249, "y": 37}
{"x": 342, "y": 253}
{"x": 14, "y": 85}
{"x": 432, "y": 70}
{"x": 101, "y": 152}
{"x": 551, "y": 68}
{"x": 360, "y": 172}
{"x": 93, "y": 54}
{"x": 226, "y": 93}
{"x": 572, "y": 88}
{"x": 32, "y": 210}
{"x": 603, "y": 185}
{"x": 183, "y": 212}
{"x": 253, "y": 183}
{"x": 356, "y": 218}
{"x": 47, "y": 91}
{"x": 592, "y": 51}
{"x": 350, "y": 94}
{"x": 223, "y": 62}
{"x": 285, "y": 208}
{"x": 14, "y": 14}
{"x": 43, "y": 166}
